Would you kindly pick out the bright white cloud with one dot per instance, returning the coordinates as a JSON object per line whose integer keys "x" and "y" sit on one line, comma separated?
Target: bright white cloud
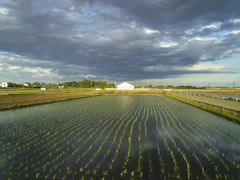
{"x": 233, "y": 33}
{"x": 90, "y": 76}
{"x": 40, "y": 72}
{"x": 3, "y": 11}
{"x": 208, "y": 67}
{"x": 206, "y": 40}
{"x": 150, "y": 31}
{"x": 155, "y": 68}
{"x": 13, "y": 58}
{"x": 196, "y": 67}
{"x": 233, "y": 51}
{"x": 14, "y": 67}
{"x": 213, "y": 27}
{"x": 30, "y": 70}
{"x": 47, "y": 75}
{"x": 8, "y": 59}
{"x": 162, "y": 68}
{"x": 236, "y": 21}
{"x": 165, "y": 44}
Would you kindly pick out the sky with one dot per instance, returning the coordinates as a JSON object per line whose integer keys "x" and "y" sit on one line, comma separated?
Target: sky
{"x": 178, "y": 42}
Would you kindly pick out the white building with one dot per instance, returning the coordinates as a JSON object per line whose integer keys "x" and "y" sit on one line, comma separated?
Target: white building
{"x": 167, "y": 89}
{"x": 4, "y": 84}
{"x": 125, "y": 86}
{"x": 43, "y": 89}
{"x": 26, "y": 84}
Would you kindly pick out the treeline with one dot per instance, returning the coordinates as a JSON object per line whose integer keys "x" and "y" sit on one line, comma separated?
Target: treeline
{"x": 85, "y": 83}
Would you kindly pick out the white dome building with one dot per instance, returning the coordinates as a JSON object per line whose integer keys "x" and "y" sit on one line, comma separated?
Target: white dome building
{"x": 125, "y": 86}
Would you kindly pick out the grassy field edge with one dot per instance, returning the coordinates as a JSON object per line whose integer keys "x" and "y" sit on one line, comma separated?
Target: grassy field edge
{"x": 19, "y": 106}
{"x": 223, "y": 112}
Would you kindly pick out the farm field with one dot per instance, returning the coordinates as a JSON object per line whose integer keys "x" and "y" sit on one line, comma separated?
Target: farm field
{"x": 235, "y": 106}
{"x": 20, "y": 97}
{"x": 218, "y": 91}
{"x": 118, "y": 137}
{"x": 231, "y": 97}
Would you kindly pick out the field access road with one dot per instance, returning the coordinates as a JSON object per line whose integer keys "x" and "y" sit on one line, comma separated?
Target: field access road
{"x": 235, "y": 106}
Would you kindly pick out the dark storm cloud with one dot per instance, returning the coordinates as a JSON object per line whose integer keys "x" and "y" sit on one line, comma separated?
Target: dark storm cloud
{"x": 118, "y": 39}
{"x": 181, "y": 14}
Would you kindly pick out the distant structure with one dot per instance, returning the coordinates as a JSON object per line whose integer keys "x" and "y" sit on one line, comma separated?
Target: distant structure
{"x": 4, "y": 84}
{"x": 167, "y": 89}
{"x": 43, "y": 89}
{"x": 60, "y": 87}
{"x": 99, "y": 89}
{"x": 125, "y": 86}
{"x": 26, "y": 84}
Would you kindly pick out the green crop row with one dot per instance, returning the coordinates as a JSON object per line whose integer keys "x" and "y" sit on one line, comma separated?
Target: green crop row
{"x": 118, "y": 137}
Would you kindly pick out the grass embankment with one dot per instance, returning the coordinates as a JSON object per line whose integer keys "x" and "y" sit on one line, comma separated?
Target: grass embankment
{"x": 22, "y": 97}
{"x": 217, "y": 91}
{"x": 228, "y": 114}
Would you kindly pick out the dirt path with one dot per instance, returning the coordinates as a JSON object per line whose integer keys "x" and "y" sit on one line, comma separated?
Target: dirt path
{"x": 216, "y": 102}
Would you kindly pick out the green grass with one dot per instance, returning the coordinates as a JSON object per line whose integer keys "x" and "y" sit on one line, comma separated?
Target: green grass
{"x": 12, "y": 98}
{"x": 229, "y": 114}
{"x": 20, "y": 91}
{"x": 10, "y": 91}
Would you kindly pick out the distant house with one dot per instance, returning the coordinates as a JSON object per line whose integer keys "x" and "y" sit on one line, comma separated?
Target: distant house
{"x": 125, "y": 86}
{"x": 43, "y": 89}
{"x": 167, "y": 89}
{"x": 60, "y": 87}
{"x": 26, "y": 84}
{"x": 99, "y": 89}
{"x": 4, "y": 84}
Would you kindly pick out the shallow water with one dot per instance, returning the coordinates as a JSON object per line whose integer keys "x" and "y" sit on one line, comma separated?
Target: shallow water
{"x": 143, "y": 137}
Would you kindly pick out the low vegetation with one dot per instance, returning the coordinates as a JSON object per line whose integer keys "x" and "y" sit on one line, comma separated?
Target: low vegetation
{"x": 11, "y": 98}
{"x": 218, "y": 91}
{"x": 118, "y": 137}
{"x": 229, "y": 114}
{"x": 85, "y": 83}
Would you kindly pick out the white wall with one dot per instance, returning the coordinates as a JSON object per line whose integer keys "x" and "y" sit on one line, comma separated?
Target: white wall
{"x": 4, "y": 84}
{"x": 125, "y": 86}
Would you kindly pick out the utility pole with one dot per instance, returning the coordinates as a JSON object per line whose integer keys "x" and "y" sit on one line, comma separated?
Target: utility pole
{"x": 91, "y": 79}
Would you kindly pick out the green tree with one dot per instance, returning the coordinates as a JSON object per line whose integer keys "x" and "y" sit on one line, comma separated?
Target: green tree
{"x": 36, "y": 84}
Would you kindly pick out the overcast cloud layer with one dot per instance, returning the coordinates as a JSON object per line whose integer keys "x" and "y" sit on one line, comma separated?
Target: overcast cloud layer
{"x": 116, "y": 39}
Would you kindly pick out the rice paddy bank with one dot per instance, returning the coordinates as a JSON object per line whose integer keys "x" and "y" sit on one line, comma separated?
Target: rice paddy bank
{"x": 221, "y": 107}
{"x": 23, "y": 97}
